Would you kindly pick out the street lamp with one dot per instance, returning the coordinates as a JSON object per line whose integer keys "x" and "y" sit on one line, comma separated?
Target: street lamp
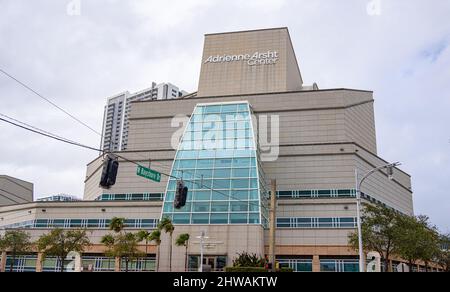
{"x": 390, "y": 171}
{"x": 202, "y": 238}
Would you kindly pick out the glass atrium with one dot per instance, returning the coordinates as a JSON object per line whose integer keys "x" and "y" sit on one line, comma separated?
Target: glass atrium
{"x": 218, "y": 160}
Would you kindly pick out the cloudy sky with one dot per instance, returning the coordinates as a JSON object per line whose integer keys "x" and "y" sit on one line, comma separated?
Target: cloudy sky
{"x": 398, "y": 48}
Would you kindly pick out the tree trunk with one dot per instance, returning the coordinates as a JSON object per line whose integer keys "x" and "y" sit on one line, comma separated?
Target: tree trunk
{"x": 126, "y": 265}
{"x": 157, "y": 259}
{"x": 410, "y": 266}
{"x": 11, "y": 265}
{"x": 146, "y": 254}
{"x": 185, "y": 259}
{"x": 170, "y": 254}
{"x": 62, "y": 264}
{"x": 387, "y": 265}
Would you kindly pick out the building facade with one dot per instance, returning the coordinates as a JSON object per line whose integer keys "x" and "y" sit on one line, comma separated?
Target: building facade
{"x": 15, "y": 191}
{"x": 251, "y": 121}
{"x": 117, "y": 110}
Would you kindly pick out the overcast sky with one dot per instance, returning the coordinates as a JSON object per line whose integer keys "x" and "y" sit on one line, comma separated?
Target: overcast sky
{"x": 399, "y": 49}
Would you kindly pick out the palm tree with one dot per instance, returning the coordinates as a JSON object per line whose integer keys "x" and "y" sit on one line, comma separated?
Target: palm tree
{"x": 144, "y": 235}
{"x": 156, "y": 237}
{"x": 117, "y": 224}
{"x": 183, "y": 240}
{"x": 166, "y": 225}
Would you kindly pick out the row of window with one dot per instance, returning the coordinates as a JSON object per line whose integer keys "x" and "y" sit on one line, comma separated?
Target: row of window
{"x": 217, "y": 144}
{"x": 312, "y": 222}
{"x": 297, "y": 265}
{"x": 217, "y": 184}
{"x": 215, "y": 207}
{"x": 131, "y": 197}
{"x": 83, "y": 223}
{"x": 339, "y": 265}
{"x": 218, "y": 173}
{"x": 221, "y": 108}
{"x": 314, "y": 194}
{"x": 198, "y": 125}
{"x": 323, "y": 194}
{"x": 216, "y": 195}
{"x": 213, "y": 218}
{"x": 222, "y": 162}
{"x": 210, "y": 154}
{"x": 326, "y": 265}
{"x": 218, "y": 133}
{"x": 27, "y": 263}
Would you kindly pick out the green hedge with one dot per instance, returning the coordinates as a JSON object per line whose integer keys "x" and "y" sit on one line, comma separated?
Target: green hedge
{"x": 254, "y": 270}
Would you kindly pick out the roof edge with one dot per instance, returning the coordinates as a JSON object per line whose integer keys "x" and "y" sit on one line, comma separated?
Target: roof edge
{"x": 249, "y": 30}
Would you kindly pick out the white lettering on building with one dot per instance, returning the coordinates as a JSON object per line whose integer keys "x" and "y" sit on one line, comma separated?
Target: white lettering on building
{"x": 255, "y": 59}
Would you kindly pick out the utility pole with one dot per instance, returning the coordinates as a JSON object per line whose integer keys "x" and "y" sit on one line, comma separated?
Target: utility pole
{"x": 272, "y": 223}
{"x": 358, "y": 223}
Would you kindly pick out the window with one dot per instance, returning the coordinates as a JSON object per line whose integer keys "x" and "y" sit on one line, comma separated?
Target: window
{"x": 219, "y": 218}
{"x": 200, "y": 218}
{"x": 219, "y": 207}
{"x": 326, "y": 222}
{"x": 298, "y": 265}
{"x": 240, "y": 218}
{"x": 240, "y": 184}
{"x": 181, "y": 218}
{"x": 339, "y": 265}
{"x": 239, "y": 206}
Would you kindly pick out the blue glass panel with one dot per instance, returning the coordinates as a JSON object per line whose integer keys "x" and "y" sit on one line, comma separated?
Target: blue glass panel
{"x": 222, "y": 173}
{"x": 219, "y": 218}
{"x": 181, "y": 218}
{"x": 239, "y": 184}
{"x": 238, "y": 218}
{"x": 219, "y": 207}
{"x": 201, "y": 207}
{"x": 219, "y": 184}
{"x": 200, "y": 218}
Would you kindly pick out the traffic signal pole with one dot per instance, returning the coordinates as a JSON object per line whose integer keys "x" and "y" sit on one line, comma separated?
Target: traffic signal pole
{"x": 272, "y": 223}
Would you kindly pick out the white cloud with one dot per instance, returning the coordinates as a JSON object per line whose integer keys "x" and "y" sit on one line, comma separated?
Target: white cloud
{"x": 125, "y": 45}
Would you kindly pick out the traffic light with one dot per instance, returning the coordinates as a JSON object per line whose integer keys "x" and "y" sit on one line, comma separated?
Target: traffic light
{"x": 181, "y": 195}
{"x": 109, "y": 173}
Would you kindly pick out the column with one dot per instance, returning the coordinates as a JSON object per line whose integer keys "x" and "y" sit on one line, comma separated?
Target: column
{"x": 316, "y": 264}
{"x": 3, "y": 261}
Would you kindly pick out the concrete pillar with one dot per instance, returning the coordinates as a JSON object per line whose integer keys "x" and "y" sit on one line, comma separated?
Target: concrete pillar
{"x": 316, "y": 264}
{"x": 3, "y": 261}
{"x": 117, "y": 264}
{"x": 39, "y": 263}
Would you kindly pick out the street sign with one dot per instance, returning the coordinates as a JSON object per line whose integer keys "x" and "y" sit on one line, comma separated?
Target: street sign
{"x": 148, "y": 173}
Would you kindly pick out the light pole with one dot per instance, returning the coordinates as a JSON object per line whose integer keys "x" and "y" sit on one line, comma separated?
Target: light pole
{"x": 202, "y": 238}
{"x": 390, "y": 171}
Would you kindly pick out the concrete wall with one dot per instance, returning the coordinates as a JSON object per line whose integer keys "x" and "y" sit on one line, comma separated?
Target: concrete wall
{"x": 14, "y": 191}
{"x": 237, "y": 77}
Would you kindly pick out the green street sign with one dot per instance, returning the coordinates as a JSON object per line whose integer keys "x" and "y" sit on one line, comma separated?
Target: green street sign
{"x": 148, "y": 173}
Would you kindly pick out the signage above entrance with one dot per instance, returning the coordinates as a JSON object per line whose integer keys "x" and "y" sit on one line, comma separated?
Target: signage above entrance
{"x": 255, "y": 59}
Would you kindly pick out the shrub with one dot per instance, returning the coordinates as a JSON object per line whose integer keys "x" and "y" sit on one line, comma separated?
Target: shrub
{"x": 248, "y": 260}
